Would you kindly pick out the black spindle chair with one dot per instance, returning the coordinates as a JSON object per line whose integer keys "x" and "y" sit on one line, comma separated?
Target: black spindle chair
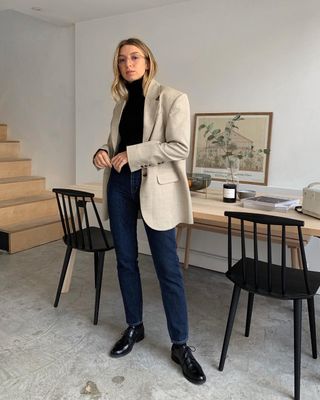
{"x": 81, "y": 233}
{"x": 268, "y": 279}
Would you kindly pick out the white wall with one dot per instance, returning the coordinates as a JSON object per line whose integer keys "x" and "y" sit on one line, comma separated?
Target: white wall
{"x": 37, "y": 93}
{"x": 235, "y": 55}
{"x": 232, "y": 55}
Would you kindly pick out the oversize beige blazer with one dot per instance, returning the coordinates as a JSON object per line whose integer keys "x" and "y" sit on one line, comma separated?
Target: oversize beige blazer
{"x": 164, "y": 194}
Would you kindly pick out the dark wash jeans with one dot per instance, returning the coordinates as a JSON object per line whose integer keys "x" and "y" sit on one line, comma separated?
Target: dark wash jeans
{"x": 123, "y": 204}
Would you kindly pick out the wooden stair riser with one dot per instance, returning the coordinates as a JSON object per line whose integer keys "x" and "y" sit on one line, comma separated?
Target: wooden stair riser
{"x": 37, "y": 236}
{"x": 9, "y": 149}
{"x": 3, "y": 132}
{"x": 21, "y": 189}
{"x": 28, "y": 215}
{"x": 10, "y": 169}
{"x": 26, "y": 212}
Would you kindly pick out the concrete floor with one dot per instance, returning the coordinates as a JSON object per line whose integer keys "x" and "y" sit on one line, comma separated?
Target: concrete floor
{"x": 48, "y": 353}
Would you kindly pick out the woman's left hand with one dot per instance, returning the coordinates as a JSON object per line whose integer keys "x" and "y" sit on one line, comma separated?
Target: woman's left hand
{"x": 119, "y": 161}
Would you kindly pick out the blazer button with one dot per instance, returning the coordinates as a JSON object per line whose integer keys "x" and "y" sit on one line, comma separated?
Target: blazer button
{"x": 144, "y": 174}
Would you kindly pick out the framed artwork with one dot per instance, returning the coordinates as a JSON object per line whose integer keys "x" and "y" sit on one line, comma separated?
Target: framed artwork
{"x": 238, "y": 139}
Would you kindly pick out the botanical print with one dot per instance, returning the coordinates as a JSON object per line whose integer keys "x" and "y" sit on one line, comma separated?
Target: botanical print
{"x": 239, "y": 142}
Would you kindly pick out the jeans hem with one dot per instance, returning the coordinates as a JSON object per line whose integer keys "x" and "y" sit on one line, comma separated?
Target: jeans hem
{"x": 179, "y": 341}
{"x": 135, "y": 324}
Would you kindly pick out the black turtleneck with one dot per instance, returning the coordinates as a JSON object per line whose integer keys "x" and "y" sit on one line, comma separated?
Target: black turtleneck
{"x": 131, "y": 123}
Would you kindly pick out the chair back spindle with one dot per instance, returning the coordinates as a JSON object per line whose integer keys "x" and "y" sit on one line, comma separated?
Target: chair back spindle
{"x": 255, "y": 254}
{"x": 61, "y": 215}
{"x": 283, "y": 259}
{"x": 304, "y": 261}
{"x": 243, "y": 251}
{"x": 269, "y": 257}
{"x": 229, "y": 243}
{"x": 100, "y": 224}
{"x": 80, "y": 204}
{"x": 86, "y": 218}
{"x": 65, "y": 216}
{"x": 72, "y": 221}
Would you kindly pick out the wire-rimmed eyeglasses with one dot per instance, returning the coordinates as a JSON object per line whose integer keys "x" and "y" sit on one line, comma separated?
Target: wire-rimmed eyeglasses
{"x": 134, "y": 59}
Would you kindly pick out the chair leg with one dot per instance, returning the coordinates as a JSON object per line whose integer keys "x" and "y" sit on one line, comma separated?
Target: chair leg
{"x": 312, "y": 324}
{"x": 249, "y": 313}
{"x": 297, "y": 304}
{"x": 63, "y": 274}
{"x": 96, "y": 260}
{"x": 232, "y": 314}
{"x": 99, "y": 282}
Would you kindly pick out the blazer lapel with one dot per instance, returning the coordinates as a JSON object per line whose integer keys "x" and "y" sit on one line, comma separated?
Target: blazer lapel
{"x": 115, "y": 137}
{"x": 151, "y": 106}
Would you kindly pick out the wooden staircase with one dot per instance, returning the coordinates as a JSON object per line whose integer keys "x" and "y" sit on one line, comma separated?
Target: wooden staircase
{"x": 28, "y": 213}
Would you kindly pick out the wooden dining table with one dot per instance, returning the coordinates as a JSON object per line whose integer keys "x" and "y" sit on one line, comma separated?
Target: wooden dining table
{"x": 208, "y": 213}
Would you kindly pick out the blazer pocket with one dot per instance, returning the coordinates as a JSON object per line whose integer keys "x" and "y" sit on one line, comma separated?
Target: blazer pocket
{"x": 167, "y": 177}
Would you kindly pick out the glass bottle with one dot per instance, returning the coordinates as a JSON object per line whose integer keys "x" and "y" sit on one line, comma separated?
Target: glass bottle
{"x": 232, "y": 180}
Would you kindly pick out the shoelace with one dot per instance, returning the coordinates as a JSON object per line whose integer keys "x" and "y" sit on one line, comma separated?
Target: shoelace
{"x": 189, "y": 350}
{"x": 188, "y": 357}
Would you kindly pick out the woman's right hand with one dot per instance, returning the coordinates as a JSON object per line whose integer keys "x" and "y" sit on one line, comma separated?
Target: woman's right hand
{"x": 102, "y": 160}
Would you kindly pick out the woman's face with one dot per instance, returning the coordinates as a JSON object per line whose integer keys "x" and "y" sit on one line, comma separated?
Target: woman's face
{"x": 132, "y": 63}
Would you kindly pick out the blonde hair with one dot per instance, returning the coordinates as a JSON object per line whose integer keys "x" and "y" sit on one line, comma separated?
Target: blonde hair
{"x": 118, "y": 88}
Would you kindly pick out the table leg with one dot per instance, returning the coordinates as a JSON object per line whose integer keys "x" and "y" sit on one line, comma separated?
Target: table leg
{"x": 187, "y": 248}
{"x": 300, "y": 259}
{"x": 178, "y": 234}
{"x": 180, "y": 228}
{"x": 67, "y": 279}
{"x": 295, "y": 257}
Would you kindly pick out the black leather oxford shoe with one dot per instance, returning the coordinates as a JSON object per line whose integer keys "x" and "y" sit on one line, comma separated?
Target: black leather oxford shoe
{"x": 130, "y": 336}
{"x": 190, "y": 367}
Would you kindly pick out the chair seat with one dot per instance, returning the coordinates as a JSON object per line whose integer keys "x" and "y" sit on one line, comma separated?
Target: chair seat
{"x": 295, "y": 283}
{"x": 80, "y": 240}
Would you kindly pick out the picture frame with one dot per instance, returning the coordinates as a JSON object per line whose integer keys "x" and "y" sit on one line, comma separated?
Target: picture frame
{"x": 241, "y": 136}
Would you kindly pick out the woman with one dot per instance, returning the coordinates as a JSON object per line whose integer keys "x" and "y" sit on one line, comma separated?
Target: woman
{"x": 144, "y": 171}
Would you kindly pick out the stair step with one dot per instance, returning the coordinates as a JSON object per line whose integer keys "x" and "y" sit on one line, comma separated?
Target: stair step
{"x": 9, "y": 148}
{"x": 3, "y": 131}
{"x": 18, "y": 237}
{"x": 21, "y": 186}
{"x": 12, "y": 166}
{"x": 25, "y": 209}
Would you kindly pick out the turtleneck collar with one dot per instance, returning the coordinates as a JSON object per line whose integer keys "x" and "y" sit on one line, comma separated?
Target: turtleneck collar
{"x": 135, "y": 88}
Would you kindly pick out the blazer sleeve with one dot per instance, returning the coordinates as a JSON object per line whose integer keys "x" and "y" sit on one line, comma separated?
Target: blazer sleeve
{"x": 177, "y": 139}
